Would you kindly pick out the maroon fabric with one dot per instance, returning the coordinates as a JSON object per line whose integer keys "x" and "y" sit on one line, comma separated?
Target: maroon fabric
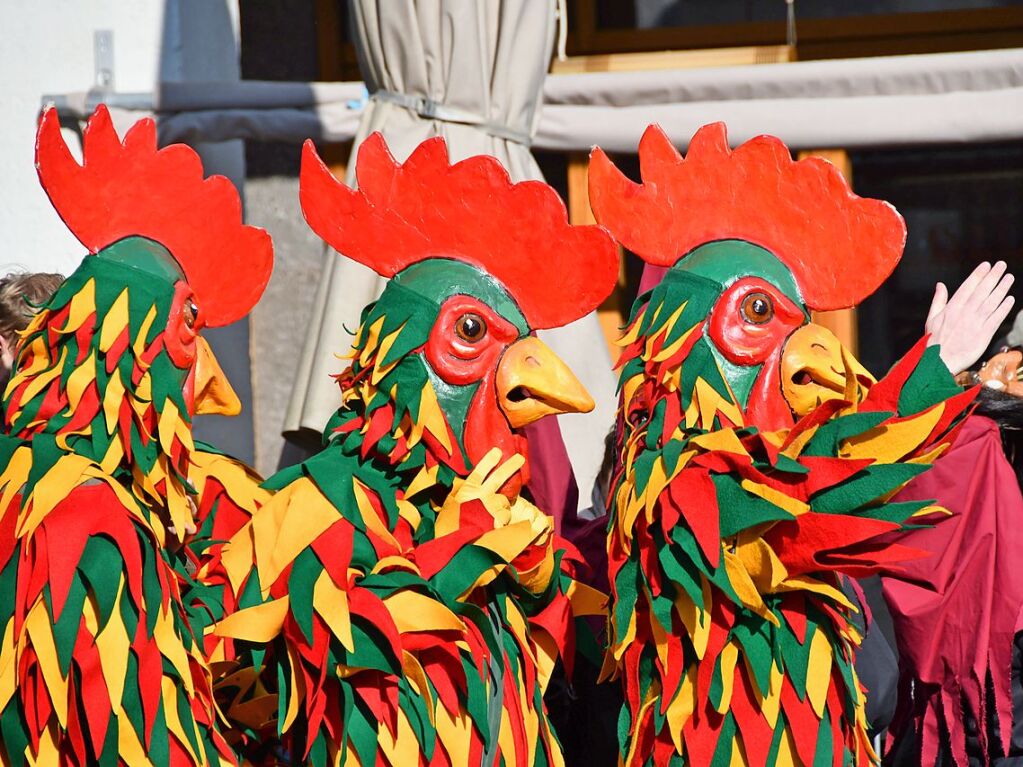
{"x": 956, "y": 611}
{"x": 651, "y": 276}
{"x": 551, "y": 481}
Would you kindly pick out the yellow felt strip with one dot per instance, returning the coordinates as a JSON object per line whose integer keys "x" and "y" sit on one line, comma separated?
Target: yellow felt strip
{"x": 818, "y": 672}
{"x": 379, "y": 371}
{"x": 508, "y": 542}
{"x": 39, "y": 631}
{"x": 787, "y": 754}
{"x": 403, "y": 747}
{"x": 413, "y": 611}
{"x": 332, "y": 605}
{"x": 79, "y": 381}
{"x": 682, "y": 707}
{"x": 890, "y": 442}
{"x": 14, "y": 477}
{"x": 238, "y": 556}
{"x": 763, "y": 565}
{"x": 696, "y": 621}
{"x": 59, "y": 481}
{"x": 432, "y": 417}
{"x": 369, "y": 515}
{"x": 409, "y": 513}
{"x": 114, "y": 322}
{"x": 138, "y": 345}
{"x": 260, "y": 623}
{"x": 585, "y": 600}
{"x": 722, "y": 440}
{"x": 48, "y": 754}
{"x": 667, "y": 327}
{"x": 793, "y": 506}
{"x": 807, "y": 583}
{"x": 114, "y": 646}
{"x": 289, "y": 522}
{"x": 728, "y": 658}
{"x": 454, "y": 732}
{"x": 770, "y": 703}
{"x": 745, "y": 589}
{"x": 546, "y": 652}
{"x": 413, "y": 669}
{"x": 45, "y": 378}
{"x": 171, "y": 646}
{"x": 174, "y": 723}
{"x": 651, "y": 699}
{"x": 8, "y": 665}
{"x": 738, "y": 758}
{"x": 83, "y": 304}
{"x": 506, "y": 739}
{"x": 296, "y": 688}
{"x": 113, "y": 397}
{"x": 167, "y": 425}
{"x": 427, "y": 477}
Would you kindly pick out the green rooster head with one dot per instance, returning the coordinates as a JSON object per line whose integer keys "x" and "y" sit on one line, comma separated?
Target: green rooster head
{"x": 445, "y": 359}
{"x": 114, "y": 366}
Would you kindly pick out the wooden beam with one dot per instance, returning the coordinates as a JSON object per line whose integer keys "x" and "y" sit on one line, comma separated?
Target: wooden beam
{"x": 842, "y": 322}
{"x": 610, "y": 312}
{"x": 709, "y": 57}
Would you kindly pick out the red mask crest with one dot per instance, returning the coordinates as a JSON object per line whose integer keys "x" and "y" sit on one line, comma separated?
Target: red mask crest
{"x": 131, "y": 188}
{"x": 840, "y": 247}
{"x": 471, "y": 211}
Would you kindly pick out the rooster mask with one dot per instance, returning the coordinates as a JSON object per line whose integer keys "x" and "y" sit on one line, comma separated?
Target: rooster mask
{"x": 756, "y": 455}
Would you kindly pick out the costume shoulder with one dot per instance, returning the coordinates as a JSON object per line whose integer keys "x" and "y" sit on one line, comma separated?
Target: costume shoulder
{"x": 97, "y": 662}
{"x": 375, "y": 634}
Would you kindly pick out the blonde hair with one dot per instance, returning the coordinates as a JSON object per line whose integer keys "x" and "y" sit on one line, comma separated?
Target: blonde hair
{"x": 21, "y": 296}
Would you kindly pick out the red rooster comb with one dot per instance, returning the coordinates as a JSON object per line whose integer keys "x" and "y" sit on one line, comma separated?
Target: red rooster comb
{"x": 469, "y": 211}
{"x": 130, "y": 188}
{"x": 840, "y": 247}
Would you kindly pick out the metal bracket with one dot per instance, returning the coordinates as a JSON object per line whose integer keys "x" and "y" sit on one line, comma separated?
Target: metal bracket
{"x": 103, "y": 59}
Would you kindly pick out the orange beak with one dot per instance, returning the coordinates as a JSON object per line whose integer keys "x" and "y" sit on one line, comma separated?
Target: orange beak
{"x": 532, "y": 381}
{"x": 214, "y": 394}
{"x": 816, "y": 367}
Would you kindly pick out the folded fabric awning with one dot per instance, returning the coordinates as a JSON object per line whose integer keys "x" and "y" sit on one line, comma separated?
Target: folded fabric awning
{"x": 870, "y": 102}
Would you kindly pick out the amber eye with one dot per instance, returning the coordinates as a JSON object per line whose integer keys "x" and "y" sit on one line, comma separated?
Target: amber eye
{"x": 470, "y": 327}
{"x": 757, "y": 308}
{"x": 191, "y": 313}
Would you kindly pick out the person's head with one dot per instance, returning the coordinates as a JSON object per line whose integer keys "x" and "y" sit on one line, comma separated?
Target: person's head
{"x": 21, "y": 296}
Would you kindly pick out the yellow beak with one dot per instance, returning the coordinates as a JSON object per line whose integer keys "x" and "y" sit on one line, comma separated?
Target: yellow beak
{"x": 214, "y": 394}
{"x": 532, "y": 381}
{"x": 815, "y": 367}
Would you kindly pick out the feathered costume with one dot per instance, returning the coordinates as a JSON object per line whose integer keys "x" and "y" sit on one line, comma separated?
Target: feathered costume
{"x": 98, "y": 662}
{"x": 757, "y": 456}
{"x": 402, "y": 598}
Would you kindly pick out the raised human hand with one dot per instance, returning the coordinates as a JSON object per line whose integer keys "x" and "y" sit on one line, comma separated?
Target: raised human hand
{"x": 964, "y": 325}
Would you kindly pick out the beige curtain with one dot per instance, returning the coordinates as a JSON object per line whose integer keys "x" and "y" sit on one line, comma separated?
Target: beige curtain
{"x": 473, "y": 72}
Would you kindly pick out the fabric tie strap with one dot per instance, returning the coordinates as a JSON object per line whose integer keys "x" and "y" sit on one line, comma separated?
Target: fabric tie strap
{"x": 434, "y": 110}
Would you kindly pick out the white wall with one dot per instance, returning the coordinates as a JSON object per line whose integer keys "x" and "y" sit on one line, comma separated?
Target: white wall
{"x": 48, "y": 48}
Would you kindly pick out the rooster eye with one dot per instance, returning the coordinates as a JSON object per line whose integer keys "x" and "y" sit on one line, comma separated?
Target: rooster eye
{"x": 757, "y": 308}
{"x": 470, "y": 327}
{"x": 191, "y": 313}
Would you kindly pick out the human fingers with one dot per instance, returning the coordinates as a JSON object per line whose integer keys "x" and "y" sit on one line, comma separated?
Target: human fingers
{"x": 987, "y": 285}
{"x": 995, "y": 297}
{"x": 965, "y": 291}
{"x": 937, "y": 304}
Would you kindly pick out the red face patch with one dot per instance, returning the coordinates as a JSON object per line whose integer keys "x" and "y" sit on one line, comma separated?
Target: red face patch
{"x": 467, "y": 340}
{"x": 183, "y": 326}
{"x": 751, "y": 320}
